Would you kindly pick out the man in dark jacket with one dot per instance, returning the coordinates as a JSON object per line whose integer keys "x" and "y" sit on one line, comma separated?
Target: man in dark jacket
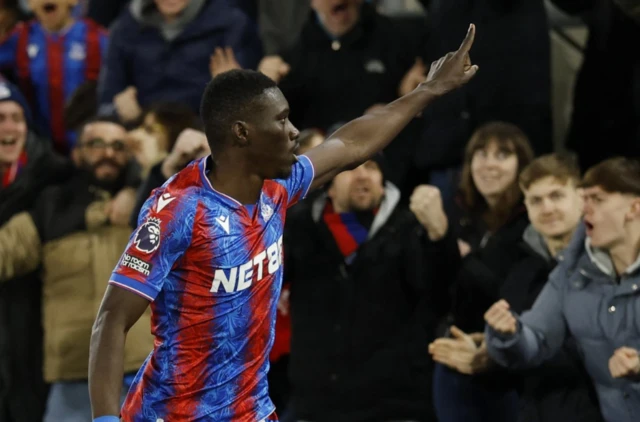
{"x": 366, "y": 281}
{"x": 160, "y": 51}
{"x": 27, "y": 166}
{"x": 346, "y": 51}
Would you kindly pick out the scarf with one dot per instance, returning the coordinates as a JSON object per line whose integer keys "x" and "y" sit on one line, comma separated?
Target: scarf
{"x": 349, "y": 229}
{"x": 10, "y": 174}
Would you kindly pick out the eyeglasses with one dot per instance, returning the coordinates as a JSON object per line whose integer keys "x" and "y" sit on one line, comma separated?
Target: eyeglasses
{"x": 101, "y": 144}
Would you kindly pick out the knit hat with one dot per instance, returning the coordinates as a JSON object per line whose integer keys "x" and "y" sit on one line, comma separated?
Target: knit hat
{"x": 10, "y": 92}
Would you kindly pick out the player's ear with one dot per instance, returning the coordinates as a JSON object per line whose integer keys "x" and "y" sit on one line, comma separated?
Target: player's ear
{"x": 241, "y": 134}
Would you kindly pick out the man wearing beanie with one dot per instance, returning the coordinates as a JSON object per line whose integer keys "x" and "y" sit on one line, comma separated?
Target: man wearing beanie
{"x": 365, "y": 278}
{"x": 72, "y": 236}
{"x": 27, "y": 167}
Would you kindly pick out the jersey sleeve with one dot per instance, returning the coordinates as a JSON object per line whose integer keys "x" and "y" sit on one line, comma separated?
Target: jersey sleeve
{"x": 163, "y": 234}
{"x": 299, "y": 182}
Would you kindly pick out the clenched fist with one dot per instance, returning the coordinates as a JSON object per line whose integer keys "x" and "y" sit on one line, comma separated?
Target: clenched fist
{"x": 625, "y": 363}
{"x": 426, "y": 205}
{"x": 191, "y": 144}
{"x": 500, "y": 318}
{"x": 119, "y": 209}
{"x": 126, "y": 104}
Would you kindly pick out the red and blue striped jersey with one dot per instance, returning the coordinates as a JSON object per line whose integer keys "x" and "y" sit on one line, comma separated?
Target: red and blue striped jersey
{"x": 213, "y": 271}
{"x": 50, "y": 67}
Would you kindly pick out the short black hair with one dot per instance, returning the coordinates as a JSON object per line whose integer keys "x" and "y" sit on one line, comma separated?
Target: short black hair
{"x": 98, "y": 119}
{"x": 229, "y": 97}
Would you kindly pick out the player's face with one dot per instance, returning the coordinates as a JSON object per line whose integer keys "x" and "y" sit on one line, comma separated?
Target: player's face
{"x": 171, "y": 8}
{"x": 273, "y": 139}
{"x": 493, "y": 170}
{"x": 554, "y": 208}
{"x": 359, "y": 189}
{"x": 337, "y": 16}
{"x": 13, "y": 132}
{"x": 54, "y": 15}
{"x": 606, "y": 216}
{"x": 103, "y": 151}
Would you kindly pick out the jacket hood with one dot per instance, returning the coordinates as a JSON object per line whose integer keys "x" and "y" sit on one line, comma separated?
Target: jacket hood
{"x": 146, "y": 12}
{"x": 536, "y": 242}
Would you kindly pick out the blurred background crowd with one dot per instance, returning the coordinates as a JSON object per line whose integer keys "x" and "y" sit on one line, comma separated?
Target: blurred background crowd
{"x": 391, "y": 271}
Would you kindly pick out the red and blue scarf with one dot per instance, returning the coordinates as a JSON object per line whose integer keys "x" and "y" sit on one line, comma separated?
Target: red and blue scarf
{"x": 10, "y": 174}
{"x": 349, "y": 229}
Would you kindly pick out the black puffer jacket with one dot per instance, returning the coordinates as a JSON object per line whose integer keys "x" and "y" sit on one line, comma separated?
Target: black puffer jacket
{"x": 360, "y": 332}
{"x": 481, "y": 273}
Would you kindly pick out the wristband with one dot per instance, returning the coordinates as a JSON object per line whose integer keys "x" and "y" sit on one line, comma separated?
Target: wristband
{"x": 107, "y": 419}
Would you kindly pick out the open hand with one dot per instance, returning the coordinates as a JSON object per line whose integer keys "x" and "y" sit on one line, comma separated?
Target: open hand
{"x": 500, "y": 318}
{"x": 454, "y": 69}
{"x": 222, "y": 60}
{"x": 274, "y": 67}
{"x": 625, "y": 363}
{"x": 465, "y": 353}
{"x": 191, "y": 144}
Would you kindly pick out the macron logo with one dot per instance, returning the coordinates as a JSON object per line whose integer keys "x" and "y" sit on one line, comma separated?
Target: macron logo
{"x": 223, "y": 220}
{"x": 163, "y": 201}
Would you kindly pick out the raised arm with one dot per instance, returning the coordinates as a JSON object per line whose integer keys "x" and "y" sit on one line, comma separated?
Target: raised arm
{"x": 358, "y": 140}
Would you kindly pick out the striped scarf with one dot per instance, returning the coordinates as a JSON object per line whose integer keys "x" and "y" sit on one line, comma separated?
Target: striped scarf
{"x": 349, "y": 229}
{"x": 9, "y": 175}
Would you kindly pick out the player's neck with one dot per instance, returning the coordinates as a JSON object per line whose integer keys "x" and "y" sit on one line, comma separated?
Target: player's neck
{"x": 235, "y": 180}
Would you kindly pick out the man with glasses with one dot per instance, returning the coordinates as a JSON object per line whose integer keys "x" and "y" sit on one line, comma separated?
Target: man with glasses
{"x": 75, "y": 233}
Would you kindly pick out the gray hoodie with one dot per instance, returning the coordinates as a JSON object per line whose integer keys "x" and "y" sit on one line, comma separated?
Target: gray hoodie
{"x": 146, "y": 12}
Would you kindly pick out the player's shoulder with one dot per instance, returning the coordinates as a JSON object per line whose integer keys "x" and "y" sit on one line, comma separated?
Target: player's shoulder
{"x": 180, "y": 194}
